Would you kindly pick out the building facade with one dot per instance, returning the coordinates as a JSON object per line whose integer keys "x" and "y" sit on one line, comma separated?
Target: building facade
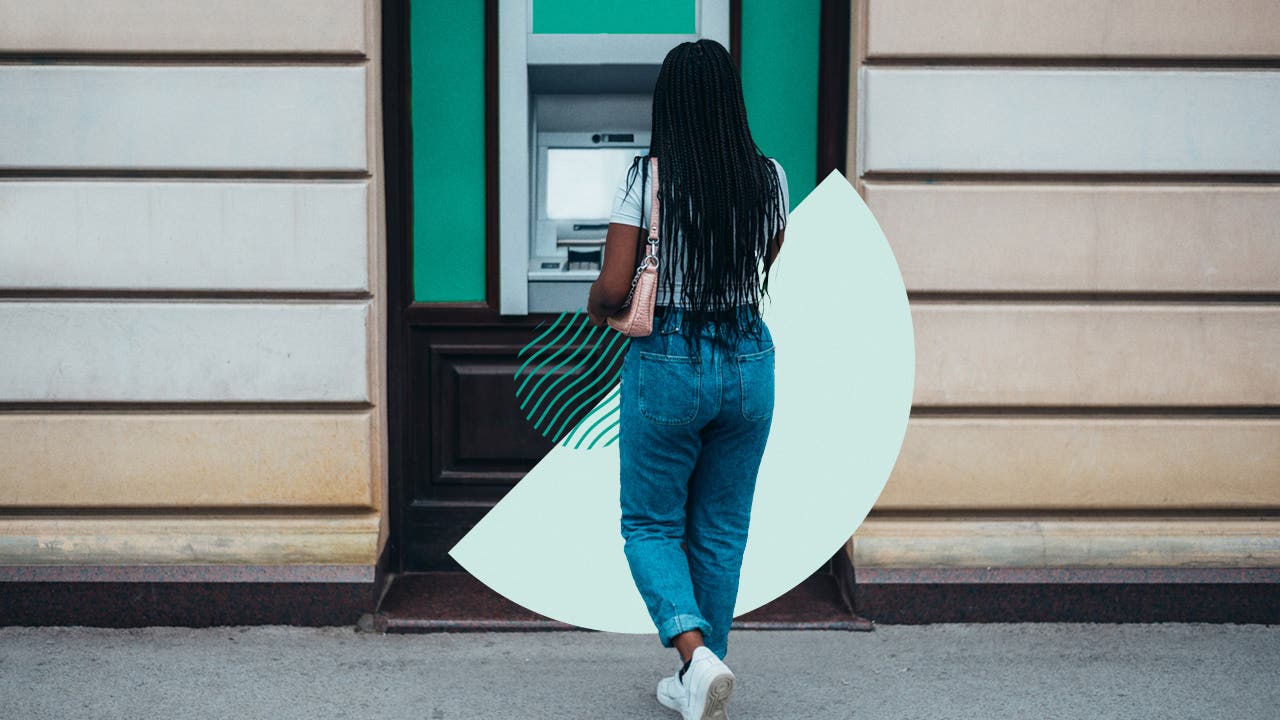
{"x": 244, "y": 379}
{"x": 1082, "y": 200}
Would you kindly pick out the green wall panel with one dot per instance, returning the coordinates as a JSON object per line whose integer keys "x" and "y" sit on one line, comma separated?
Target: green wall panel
{"x": 447, "y": 106}
{"x": 615, "y": 16}
{"x": 780, "y": 83}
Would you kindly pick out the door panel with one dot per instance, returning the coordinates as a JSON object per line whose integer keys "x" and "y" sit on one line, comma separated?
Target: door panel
{"x": 470, "y": 441}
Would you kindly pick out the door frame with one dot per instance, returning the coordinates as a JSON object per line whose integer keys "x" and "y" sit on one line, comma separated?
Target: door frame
{"x": 403, "y": 313}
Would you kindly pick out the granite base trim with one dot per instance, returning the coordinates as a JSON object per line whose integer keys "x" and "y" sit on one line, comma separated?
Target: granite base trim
{"x": 854, "y": 623}
{"x": 449, "y": 601}
{"x": 383, "y": 623}
{"x": 189, "y": 573}
{"x": 1137, "y": 602}
{"x": 184, "y": 604}
{"x": 1252, "y": 575}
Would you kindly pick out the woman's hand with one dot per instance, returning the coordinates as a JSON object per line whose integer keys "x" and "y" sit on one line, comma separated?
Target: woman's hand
{"x": 596, "y": 318}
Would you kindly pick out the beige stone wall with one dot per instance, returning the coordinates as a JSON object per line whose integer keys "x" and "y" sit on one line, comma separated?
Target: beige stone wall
{"x": 193, "y": 272}
{"x": 1081, "y": 197}
{"x": 1096, "y": 326}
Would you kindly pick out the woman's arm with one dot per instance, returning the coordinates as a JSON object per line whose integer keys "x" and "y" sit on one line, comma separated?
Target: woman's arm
{"x": 775, "y": 247}
{"x": 617, "y": 268}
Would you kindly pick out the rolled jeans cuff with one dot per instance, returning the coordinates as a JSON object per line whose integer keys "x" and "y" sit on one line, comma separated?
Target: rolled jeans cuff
{"x": 681, "y": 623}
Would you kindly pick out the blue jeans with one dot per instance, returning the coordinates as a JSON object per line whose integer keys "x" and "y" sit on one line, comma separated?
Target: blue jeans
{"x": 694, "y": 420}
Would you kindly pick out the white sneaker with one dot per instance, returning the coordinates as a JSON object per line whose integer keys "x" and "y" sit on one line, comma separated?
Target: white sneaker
{"x": 704, "y": 692}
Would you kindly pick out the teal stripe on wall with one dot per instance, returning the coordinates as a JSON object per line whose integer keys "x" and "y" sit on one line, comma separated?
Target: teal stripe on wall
{"x": 780, "y": 83}
{"x": 615, "y": 16}
{"x": 447, "y": 105}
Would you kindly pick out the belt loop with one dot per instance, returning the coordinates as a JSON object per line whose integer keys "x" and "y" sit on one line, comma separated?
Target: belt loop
{"x": 669, "y": 317}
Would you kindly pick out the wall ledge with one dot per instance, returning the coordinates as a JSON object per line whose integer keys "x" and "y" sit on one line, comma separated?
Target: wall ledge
{"x": 194, "y": 540}
{"x": 1043, "y": 543}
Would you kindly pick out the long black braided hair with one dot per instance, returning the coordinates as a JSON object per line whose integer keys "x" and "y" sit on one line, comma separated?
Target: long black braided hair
{"x": 717, "y": 192}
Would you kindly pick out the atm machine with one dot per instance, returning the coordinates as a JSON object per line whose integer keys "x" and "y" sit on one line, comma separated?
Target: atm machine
{"x": 575, "y": 107}
{"x": 582, "y": 145}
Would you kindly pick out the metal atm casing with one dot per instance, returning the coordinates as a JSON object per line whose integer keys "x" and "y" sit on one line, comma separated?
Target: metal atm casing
{"x": 560, "y": 91}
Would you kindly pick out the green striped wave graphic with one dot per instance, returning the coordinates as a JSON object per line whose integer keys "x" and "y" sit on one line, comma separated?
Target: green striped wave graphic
{"x": 567, "y": 385}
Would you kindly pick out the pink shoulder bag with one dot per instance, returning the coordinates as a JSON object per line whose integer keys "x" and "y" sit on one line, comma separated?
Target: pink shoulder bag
{"x": 635, "y": 317}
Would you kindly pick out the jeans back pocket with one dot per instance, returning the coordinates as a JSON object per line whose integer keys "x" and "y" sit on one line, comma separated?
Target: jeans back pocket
{"x": 755, "y": 376}
{"x": 669, "y": 387}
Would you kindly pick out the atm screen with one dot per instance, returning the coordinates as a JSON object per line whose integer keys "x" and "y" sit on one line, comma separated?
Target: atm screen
{"x": 582, "y": 182}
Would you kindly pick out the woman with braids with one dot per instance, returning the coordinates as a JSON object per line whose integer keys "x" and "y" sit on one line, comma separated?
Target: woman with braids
{"x": 696, "y": 394}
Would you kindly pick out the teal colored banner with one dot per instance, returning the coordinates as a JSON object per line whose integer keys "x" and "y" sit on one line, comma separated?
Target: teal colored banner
{"x": 678, "y": 17}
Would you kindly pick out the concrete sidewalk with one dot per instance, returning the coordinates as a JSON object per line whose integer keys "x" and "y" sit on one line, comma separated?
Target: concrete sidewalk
{"x": 983, "y": 672}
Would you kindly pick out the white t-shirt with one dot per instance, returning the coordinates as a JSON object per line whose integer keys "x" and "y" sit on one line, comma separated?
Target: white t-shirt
{"x": 632, "y": 208}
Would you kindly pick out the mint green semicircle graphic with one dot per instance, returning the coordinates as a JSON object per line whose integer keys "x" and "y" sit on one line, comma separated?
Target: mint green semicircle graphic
{"x": 845, "y": 375}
